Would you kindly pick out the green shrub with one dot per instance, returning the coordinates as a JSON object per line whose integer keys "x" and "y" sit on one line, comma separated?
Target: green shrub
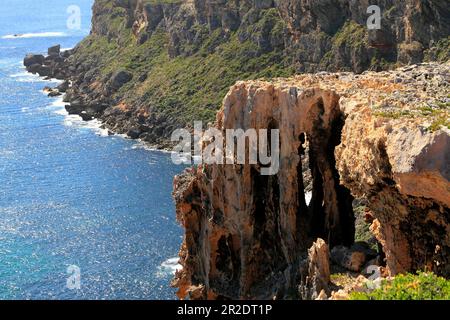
{"x": 423, "y": 286}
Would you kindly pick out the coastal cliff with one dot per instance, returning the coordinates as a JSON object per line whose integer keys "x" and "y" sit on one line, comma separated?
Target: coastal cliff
{"x": 364, "y": 175}
{"x": 382, "y": 136}
{"x": 149, "y": 67}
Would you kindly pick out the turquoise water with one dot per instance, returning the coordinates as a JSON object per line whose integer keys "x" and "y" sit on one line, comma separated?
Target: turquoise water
{"x": 69, "y": 194}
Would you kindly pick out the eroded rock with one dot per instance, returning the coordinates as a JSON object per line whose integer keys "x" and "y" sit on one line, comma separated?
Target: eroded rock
{"x": 33, "y": 59}
{"x": 314, "y": 285}
{"x": 245, "y": 233}
{"x": 352, "y": 260}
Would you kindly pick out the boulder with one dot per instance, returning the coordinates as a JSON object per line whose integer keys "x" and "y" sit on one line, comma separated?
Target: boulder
{"x": 134, "y": 133}
{"x": 96, "y": 108}
{"x": 120, "y": 78}
{"x": 66, "y": 54}
{"x": 86, "y": 116}
{"x": 54, "y": 93}
{"x": 322, "y": 295}
{"x": 352, "y": 259}
{"x": 63, "y": 86}
{"x": 34, "y": 68}
{"x": 76, "y": 107}
{"x": 143, "y": 77}
{"x": 59, "y": 75}
{"x": 44, "y": 71}
{"x": 32, "y": 59}
{"x": 53, "y": 59}
{"x": 55, "y": 50}
{"x": 68, "y": 97}
{"x": 314, "y": 283}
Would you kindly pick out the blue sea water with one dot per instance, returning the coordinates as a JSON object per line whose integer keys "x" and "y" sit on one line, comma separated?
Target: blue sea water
{"x": 70, "y": 194}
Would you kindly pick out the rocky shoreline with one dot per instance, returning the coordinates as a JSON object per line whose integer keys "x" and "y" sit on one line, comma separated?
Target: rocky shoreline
{"x": 57, "y": 65}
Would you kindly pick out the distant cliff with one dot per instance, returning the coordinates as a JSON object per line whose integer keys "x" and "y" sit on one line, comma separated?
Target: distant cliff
{"x": 150, "y": 66}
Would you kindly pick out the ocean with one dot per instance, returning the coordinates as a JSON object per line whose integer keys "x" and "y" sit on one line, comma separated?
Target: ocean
{"x": 83, "y": 215}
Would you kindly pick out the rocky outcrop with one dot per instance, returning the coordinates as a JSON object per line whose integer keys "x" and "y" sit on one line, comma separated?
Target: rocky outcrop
{"x": 33, "y": 59}
{"x": 52, "y": 66}
{"x": 307, "y": 30}
{"x": 316, "y": 279}
{"x": 384, "y": 136}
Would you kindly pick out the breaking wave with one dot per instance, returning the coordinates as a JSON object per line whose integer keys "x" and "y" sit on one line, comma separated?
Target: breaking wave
{"x": 169, "y": 267}
{"x": 35, "y": 35}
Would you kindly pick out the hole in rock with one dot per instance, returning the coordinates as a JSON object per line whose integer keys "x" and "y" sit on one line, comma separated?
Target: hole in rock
{"x": 329, "y": 213}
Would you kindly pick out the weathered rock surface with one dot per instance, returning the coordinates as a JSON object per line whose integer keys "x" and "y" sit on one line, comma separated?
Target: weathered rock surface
{"x": 381, "y": 136}
{"x": 352, "y": 259}
{"x": 32, "y": 59}
{"x": 55, "y": 50}
{"x": 315, "y": 283}
{"x": 119, "y": 79}
{"x": 245, "y": 233}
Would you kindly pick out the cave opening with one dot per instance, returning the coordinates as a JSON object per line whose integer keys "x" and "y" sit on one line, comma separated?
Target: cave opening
{"x": 345, "y": 228}
{"x": 302, "y": 190}
{"x": 329, "y": 213}
{"x": 304, "y": 183}
{"x": 324, "y": 207}
{"x": 266, "y": 216}
{"x": 227, "y": 260}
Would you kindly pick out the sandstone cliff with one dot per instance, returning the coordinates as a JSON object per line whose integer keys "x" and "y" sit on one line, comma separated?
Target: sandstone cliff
{"x": 383, "y": 136}
{"x": 151, "y": 66}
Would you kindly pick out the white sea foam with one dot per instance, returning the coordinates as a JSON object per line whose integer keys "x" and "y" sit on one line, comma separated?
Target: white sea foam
{"x": 7, "y": 154}
{"x": 18, "y": 75}
{"x": 140, "y": 144}
{"x": 35, "y": 35}
{"x": 96, "y": 126}
{"x": 58, "y": 106}
{"x": 25, "y": 77}
{"x": 169, "y": 267}
{"x": 76, "y": 121}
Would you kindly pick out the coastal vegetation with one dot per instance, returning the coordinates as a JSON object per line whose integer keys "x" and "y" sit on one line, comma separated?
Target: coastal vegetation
{"x": 420, "y": 286}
